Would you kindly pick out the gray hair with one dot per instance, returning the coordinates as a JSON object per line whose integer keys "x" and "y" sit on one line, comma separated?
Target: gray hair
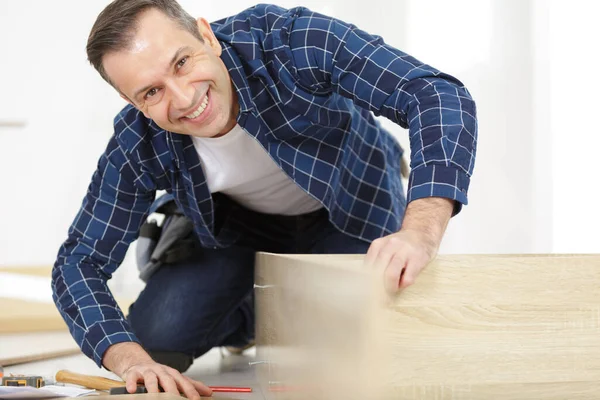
{"x": 116, "y": 25}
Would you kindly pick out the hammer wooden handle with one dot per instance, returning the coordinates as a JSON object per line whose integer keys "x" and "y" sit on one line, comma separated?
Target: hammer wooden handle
{"x": 88, "y": 381}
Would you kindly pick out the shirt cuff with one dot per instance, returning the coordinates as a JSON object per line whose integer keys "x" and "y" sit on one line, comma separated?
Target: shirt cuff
{"x": 102, "y": 335}
{"x": 439, "y": 181}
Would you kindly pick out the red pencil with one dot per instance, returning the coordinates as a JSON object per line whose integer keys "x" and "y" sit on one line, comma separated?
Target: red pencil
{"x": 224, "y": 389}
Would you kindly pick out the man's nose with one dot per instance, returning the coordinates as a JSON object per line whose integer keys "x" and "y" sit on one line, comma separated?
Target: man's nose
{"x": 182, "y": 96}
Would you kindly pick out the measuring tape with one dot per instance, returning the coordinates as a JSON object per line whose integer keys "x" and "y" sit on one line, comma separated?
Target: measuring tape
{"x": 21, "y": 380}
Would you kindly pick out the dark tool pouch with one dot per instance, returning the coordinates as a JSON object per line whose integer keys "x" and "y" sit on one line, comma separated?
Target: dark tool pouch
{"x": 171, "y": 242}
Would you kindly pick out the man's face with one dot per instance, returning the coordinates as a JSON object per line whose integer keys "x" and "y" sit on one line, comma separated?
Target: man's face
{"x": 174, "y": 78}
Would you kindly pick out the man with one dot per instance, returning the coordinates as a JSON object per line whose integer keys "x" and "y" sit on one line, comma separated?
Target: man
{"x": 261, "y": 128}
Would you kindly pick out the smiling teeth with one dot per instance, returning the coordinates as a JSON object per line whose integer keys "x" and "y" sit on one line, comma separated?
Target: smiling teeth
{"x": 199, "y": 110}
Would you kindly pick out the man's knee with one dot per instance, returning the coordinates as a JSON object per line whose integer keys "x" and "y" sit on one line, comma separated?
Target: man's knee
{"x": 161, "y": 337}
{"x": 191, "y": 307}
{"x": 159, "y": 330}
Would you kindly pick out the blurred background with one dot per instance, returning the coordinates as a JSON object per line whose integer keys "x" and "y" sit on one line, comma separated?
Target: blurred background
{"x": 530, "y": 66}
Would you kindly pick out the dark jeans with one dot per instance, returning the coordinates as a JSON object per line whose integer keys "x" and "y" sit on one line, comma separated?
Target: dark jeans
{"x": 207, "y": 301}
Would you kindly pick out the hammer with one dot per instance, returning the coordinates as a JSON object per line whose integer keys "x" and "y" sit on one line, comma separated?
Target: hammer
{"x": 118, "y": 387}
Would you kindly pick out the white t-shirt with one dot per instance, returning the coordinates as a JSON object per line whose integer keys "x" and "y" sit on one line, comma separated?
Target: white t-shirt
{"x": 237, "y": 165}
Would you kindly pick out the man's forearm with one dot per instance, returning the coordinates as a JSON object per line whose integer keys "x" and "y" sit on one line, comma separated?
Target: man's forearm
{"x": 430, "y": 216}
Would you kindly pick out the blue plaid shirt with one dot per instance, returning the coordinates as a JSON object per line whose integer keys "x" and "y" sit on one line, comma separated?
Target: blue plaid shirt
{"x": 309, "y": 87}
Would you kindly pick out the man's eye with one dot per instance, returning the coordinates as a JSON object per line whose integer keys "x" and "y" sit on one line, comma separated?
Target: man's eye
{"x": 182, "y": 62}
{"x": 151, "y": 92}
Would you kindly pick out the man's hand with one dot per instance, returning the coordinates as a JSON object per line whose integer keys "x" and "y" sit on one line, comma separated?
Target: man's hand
{"x": 134, "y": 365}
{"x": 403, "y": 255}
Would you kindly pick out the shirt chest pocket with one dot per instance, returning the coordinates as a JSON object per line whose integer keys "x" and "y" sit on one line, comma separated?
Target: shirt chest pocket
{"x": 289, "y": 111}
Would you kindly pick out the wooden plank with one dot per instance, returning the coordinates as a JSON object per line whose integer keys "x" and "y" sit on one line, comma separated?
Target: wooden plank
{"x": 6, "y": 362}
{"x": 471, "y": 327}
{"x": 19, "y": 316}
{"x": 41, "y": 270}
{"x": 312, "y": 328}
{"x": 144, "y": 396}
{"x": 26, "y": 344}
{"x": 140, "y": 396}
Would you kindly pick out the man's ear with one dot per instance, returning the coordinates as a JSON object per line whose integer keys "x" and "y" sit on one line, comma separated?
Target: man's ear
{"x": 131, "y": 102}
{"x": 209, "y": 36}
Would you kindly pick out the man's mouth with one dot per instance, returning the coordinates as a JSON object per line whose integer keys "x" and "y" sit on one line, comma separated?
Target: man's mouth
{"x": 196, "y": 113}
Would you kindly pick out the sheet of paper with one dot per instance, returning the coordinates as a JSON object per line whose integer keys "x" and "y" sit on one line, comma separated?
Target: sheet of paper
{"x": 70, "y": 391}
{"x": 25, "y": 392}
{"x": 47, "y": 392}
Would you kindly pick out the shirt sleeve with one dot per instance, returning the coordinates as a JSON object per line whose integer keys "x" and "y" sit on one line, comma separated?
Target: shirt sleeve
{"x": 329, "y": 55}
{"x": 113, "y": 209}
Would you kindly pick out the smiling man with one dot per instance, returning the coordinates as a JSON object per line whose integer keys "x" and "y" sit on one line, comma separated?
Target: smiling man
{"x": 261, "y": 128}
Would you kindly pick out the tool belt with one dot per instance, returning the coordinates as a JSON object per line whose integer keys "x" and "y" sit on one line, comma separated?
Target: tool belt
{"x": 170, "y": 242}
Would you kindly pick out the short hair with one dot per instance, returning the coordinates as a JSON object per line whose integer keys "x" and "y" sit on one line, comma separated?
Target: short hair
{"x": 116, "y": 25}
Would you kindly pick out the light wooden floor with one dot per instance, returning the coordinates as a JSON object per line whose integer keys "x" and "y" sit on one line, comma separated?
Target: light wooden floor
{"x": 32, "y": 313}
{"x": 212, "y": 369}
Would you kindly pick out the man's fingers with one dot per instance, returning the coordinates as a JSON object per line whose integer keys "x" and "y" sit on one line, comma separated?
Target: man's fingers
{"x": 399, "y": 258}
{"x": 131, "y": 380}
{"x": 184, "y": 385}
{"x": 386, "y": 254}
{"x": 373, "y": 252}
{"x": 200, "y": 387}
{"x": 187, "y": 388}
{"x": 380, "y": 254}
{"x": 151, "y": 381}
{"x": 157, "y": 377}
{"x": 167, "y": 382}
{"x": 413, "y": 266}
{"x": 393, "y": 272}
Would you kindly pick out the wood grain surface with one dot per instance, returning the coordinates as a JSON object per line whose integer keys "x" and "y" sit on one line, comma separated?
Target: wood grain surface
{"x": 471, "y": 327}
{"x": 314, "y": 329}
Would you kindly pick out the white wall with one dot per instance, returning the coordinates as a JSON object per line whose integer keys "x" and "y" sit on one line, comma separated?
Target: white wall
{"x": 486, "y": 44}
{"x": 543, "y": 182}
{"x": 46, "y": 166}
{"x": 574, "y": 132}
{"x": 531, "y": 68}
{"x": 533, "y": 189}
